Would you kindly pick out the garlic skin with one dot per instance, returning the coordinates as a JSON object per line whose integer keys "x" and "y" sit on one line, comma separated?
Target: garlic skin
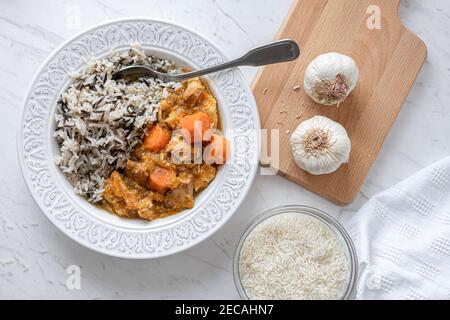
{"x": 320, "y": 146}
{"x": 330, "y": 78}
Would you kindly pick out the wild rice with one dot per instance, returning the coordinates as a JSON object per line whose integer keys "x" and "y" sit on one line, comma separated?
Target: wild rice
{"x": 99, "y": 121}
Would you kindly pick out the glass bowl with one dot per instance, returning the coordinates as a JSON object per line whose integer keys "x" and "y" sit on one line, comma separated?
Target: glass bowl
{"x": 341, "y": 234}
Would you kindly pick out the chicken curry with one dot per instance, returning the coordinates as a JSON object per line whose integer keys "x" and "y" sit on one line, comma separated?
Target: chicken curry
{"x": 163, "y": 176}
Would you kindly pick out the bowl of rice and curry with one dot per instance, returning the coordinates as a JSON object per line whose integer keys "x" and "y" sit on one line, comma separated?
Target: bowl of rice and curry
{"x": 138, "y": 168}
{"x": 129, "y": 146}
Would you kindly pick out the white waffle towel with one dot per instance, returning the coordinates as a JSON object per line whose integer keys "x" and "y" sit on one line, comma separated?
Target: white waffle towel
{"x": 402, "y": 238}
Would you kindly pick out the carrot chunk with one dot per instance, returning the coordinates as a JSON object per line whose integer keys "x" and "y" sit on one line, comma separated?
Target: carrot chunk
{"x": 157, "y": 139}
{"x": 220, "y": 149}
{"x": 198, "y": 121}
{"x": 161, "y": 179}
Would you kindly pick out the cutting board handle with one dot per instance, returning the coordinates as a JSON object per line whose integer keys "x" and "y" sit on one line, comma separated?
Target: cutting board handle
{"x": 389, "y": 12}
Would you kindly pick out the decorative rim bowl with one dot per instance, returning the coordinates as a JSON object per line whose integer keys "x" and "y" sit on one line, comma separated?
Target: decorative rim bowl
{"x": 95, "y": 228}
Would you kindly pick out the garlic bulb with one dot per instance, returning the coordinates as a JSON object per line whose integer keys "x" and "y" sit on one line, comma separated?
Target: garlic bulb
{"x": 330, "y": 78}
{"x": 320, "y": 146}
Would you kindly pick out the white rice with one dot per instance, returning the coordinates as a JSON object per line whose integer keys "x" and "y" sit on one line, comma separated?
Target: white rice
{"x": 99, "y": 121}
{"x": 293, "y": 257}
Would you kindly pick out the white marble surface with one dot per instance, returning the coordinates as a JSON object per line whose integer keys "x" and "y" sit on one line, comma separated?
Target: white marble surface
{"x": 34, "y": 255}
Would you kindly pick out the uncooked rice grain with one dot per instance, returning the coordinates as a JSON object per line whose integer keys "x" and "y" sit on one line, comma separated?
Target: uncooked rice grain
{"x": 293, "y": 257}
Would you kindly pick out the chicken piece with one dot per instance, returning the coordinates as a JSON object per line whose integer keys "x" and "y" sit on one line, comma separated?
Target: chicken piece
{"x": 194, "y": 92}
{"x": 139, "y": 171}
{"x": 209, "y": 106}
{"x": 127, "y": 200}
{"x": 181, "y": 198}
{"x": 173, "y": 119}
{"x": 166, "y": 105}
{"x": 152, "y": 160}
{"x": 183, "y": 178}
{"x": 203, "y": 176}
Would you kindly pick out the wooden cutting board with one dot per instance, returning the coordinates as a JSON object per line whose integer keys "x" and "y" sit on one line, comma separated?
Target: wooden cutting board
{"x": 389, "y": 60}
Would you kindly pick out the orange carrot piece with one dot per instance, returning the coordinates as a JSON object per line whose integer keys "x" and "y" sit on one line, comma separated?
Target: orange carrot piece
{"x": 197, "y": 121}
{"x": 160, "y": 179}
{"x": 220, "y": 149}
{"x": 157, "y": 139}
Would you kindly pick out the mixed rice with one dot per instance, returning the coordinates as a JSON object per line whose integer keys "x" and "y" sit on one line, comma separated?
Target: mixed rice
{"x": 99, "y": 121}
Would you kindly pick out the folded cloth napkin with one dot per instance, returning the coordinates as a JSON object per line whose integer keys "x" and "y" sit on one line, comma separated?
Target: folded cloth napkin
{"x": 402, "y": 238}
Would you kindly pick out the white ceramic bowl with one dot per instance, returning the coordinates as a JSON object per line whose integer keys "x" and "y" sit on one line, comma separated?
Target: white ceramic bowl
{"x": 95, "y": 228}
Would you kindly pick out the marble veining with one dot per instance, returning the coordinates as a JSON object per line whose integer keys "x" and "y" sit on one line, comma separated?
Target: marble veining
{"x": 34, "y": 255}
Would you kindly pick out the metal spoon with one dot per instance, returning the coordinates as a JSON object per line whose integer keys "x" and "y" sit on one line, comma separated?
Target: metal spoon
{"x": 276, "y": 52}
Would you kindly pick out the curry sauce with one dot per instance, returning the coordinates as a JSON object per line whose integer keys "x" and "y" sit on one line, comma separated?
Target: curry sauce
{"x": 161, "y": 177}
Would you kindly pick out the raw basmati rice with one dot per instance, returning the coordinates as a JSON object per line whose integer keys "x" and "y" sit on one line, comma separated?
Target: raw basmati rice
{"x": 293, "y": 257}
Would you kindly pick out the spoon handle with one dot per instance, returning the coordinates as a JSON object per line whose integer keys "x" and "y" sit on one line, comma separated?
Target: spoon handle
{"x": 275, "y": 52}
